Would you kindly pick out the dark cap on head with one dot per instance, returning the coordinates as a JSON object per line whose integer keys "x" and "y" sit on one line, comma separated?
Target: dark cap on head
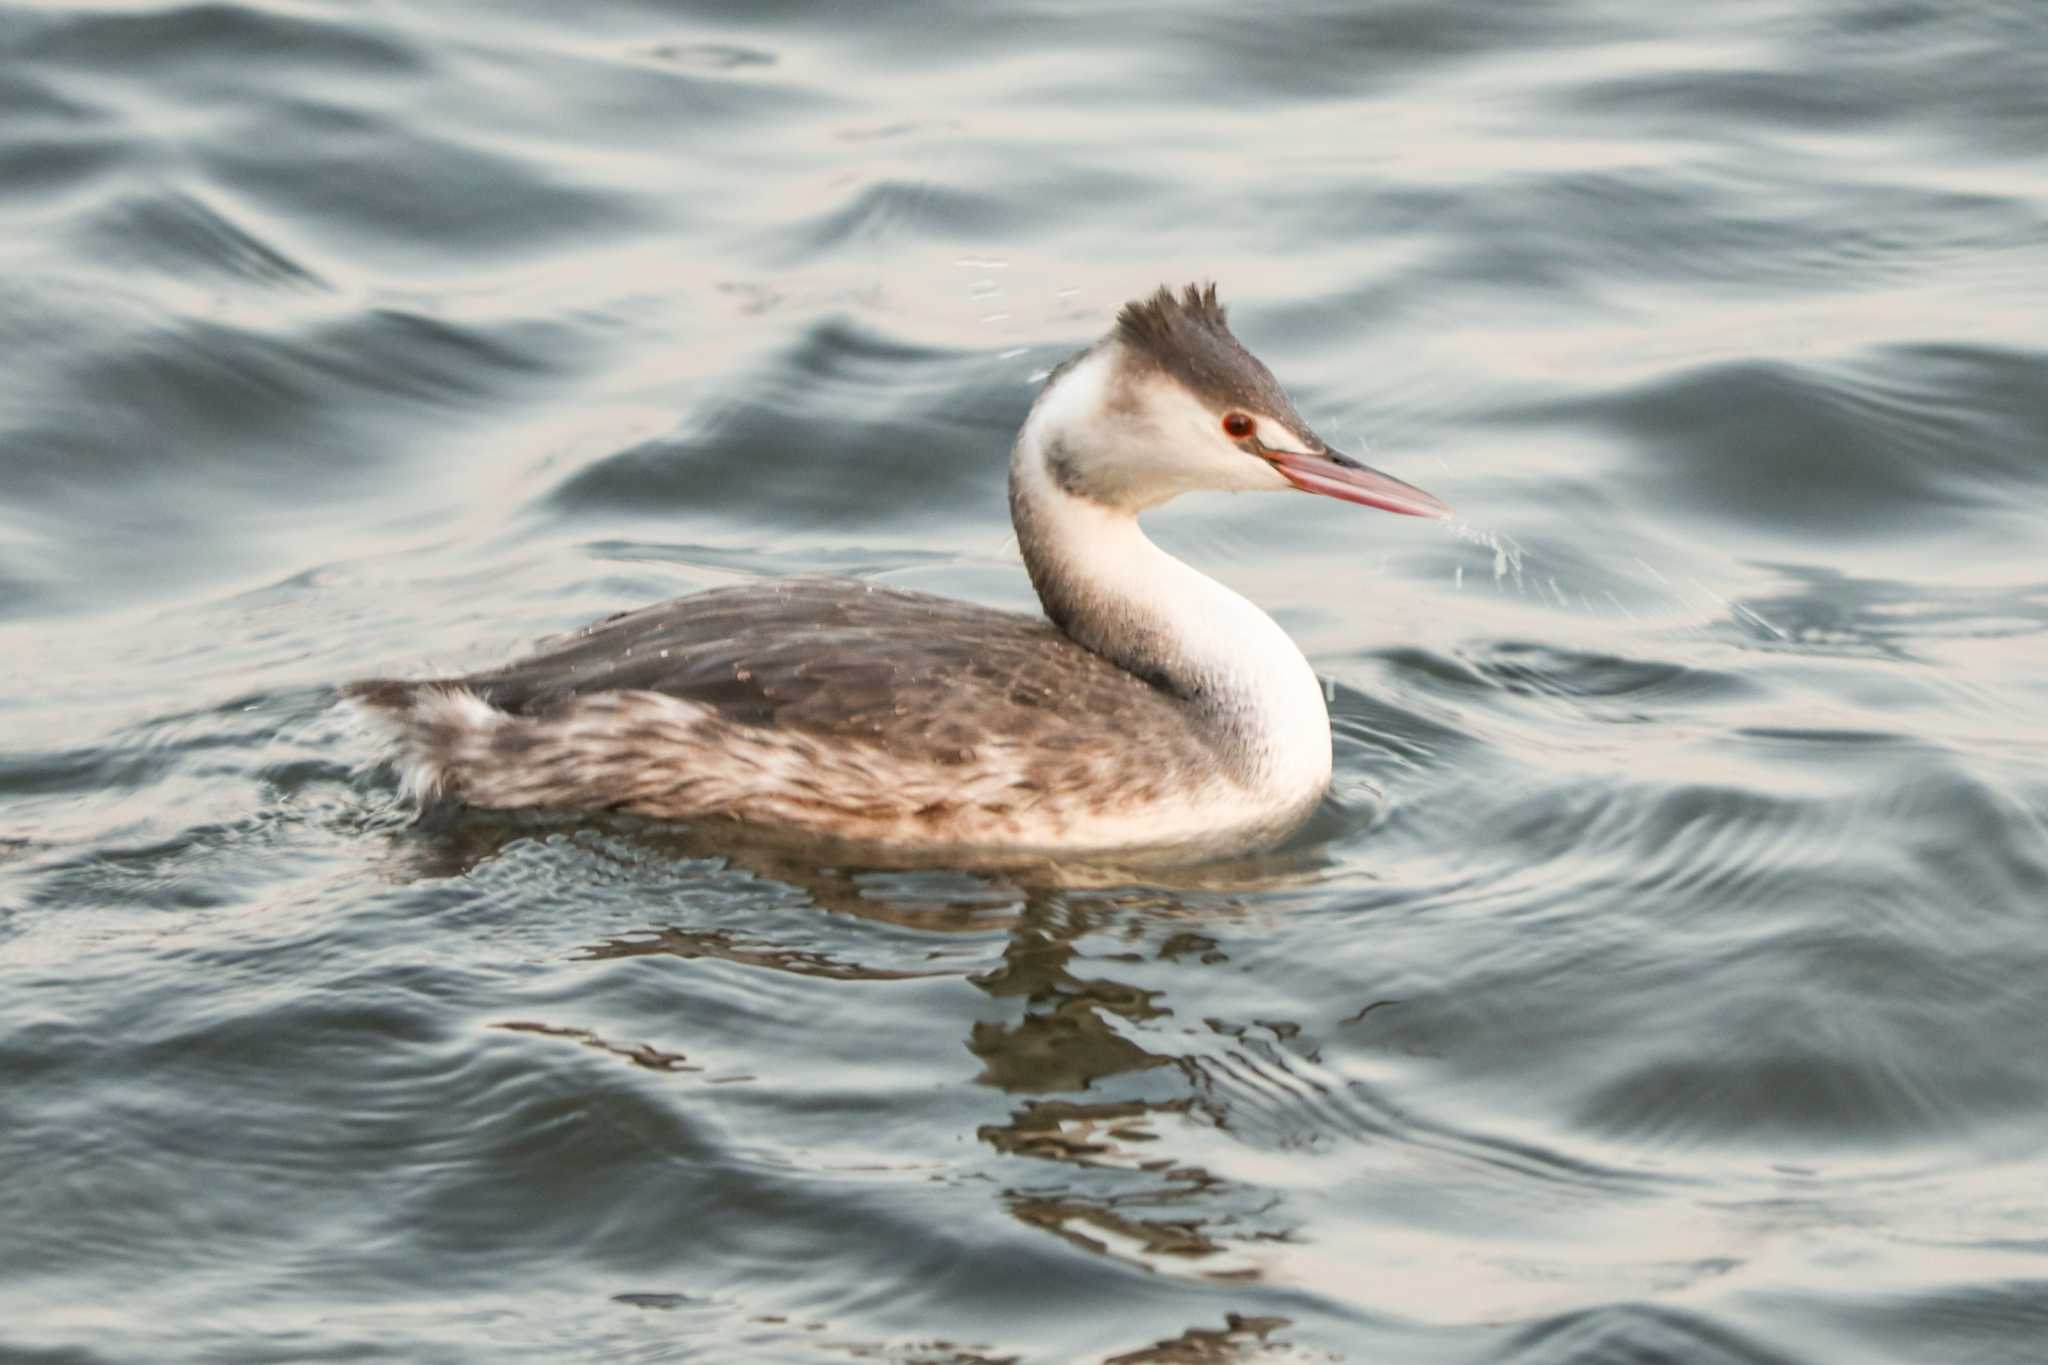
{"x": 1185, "y": 336}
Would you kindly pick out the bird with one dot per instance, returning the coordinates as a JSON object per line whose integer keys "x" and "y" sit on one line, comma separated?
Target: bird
{"x": 1151, "y": 715}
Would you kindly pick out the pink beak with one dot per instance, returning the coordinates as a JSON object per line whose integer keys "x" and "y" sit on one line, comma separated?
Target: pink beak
{"x": 1339, "y": 476}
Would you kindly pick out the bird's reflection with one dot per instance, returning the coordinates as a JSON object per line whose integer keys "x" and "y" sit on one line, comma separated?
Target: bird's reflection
{"x": 1077, "y": 1049}
{"x": 1065, "y": 1038}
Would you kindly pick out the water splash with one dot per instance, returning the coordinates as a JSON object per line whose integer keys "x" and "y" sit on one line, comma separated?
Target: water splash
{"x": 1510, "y": 567}
{"x": 1507, "y": 551}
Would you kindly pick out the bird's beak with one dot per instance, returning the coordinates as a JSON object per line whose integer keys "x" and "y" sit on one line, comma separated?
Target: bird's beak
{"x": 1337, "y": 475}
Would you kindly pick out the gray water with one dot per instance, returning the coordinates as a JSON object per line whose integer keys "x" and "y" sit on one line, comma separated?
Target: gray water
{"x": 1662, "y": 979}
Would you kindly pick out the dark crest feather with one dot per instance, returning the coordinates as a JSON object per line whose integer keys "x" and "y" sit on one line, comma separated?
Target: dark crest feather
{"x": 1152, "y": 323}
{"x": 1185, "y": 336}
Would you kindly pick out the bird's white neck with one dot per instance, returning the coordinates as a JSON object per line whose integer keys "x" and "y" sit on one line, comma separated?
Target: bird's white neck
{"x": 1105, "y": 584}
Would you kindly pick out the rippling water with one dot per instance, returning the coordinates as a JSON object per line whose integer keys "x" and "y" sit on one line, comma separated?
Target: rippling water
{"x": 1662, "y": 980}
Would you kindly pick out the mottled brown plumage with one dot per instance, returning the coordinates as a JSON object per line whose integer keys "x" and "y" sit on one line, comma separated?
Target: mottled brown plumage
{"x": 878, "y": 716}
{"x": 836, "y": 660}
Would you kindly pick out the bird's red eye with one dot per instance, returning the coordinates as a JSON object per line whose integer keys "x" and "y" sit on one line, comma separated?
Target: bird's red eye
{"x": 1237, "y": 426}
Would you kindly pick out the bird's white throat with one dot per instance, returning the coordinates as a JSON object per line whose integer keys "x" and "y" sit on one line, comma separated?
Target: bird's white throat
{"x": 1104, "y": 582}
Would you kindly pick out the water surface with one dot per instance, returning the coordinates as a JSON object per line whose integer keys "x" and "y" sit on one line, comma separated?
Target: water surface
{"x": 1659, "y": 982}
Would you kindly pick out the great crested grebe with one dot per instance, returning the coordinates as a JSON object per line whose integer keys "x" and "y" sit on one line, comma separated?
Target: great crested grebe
{"x": 1157, "y": 715}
